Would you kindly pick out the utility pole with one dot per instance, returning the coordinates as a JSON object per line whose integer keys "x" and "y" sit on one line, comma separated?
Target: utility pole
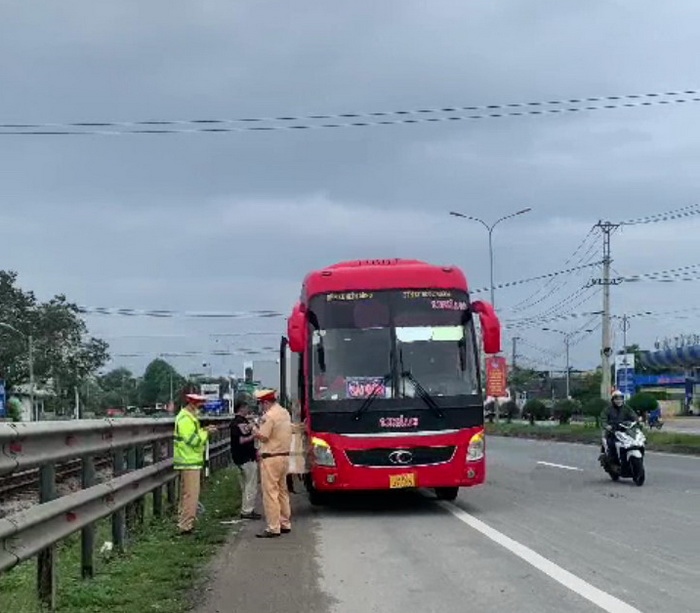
{"x": 607, "y": 228}
{"x": 515, "y": 352}
{"x": 567, "y": 340}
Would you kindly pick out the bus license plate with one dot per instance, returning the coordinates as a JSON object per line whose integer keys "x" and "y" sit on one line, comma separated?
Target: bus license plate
{"x": 405, "y": 480}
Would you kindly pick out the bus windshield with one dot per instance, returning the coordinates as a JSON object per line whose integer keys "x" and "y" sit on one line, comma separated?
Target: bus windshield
{"x": 393, "y": 340}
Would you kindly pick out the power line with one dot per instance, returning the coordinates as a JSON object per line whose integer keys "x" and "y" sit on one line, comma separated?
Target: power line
{"x": 686, "y": 211}
{"x": 216, "y": 126}
{"x": 193, "y": 335}
{"x": 267, "y": 314}
{"x": 531, "y": 279}
{"x": 165, "y": 314}
{"x": 528, "y": 301}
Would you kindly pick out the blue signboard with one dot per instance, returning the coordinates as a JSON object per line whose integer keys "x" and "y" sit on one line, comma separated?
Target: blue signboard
{"x": 3, "y": 399}
{"x": 660, "y": 380}
{"x": 213, "y": 406}
{"x": 625, "y": 381}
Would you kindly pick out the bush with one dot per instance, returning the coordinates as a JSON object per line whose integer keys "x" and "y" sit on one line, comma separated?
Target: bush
{"x": 594, "y": 407}
{"x": 564, "y": 409}
{"x": 535, "y": 409}
{"x": 508, "y": 410}
{"x": 643, "y": 403}
{"x": 14, "y": 409}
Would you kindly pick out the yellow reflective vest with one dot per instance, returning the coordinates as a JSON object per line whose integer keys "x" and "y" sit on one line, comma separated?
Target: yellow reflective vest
{"x": 190, "y": 442}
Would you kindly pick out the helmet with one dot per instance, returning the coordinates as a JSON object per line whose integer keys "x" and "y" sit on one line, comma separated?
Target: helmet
{"x": 617, "y": 394}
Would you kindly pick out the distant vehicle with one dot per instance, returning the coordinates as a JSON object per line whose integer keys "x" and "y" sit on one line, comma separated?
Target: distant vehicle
{"x": 384, "y": 371}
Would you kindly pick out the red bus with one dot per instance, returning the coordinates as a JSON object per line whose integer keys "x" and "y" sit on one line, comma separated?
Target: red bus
{"x": 381, "y": 364}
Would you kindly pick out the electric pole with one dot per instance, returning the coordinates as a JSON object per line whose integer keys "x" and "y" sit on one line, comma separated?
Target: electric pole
{"x": 515, "y": 353}
{"x": 607, "y": 228}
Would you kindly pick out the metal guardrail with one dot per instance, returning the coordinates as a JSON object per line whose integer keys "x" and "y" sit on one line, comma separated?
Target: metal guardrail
{"x": 37, "y": 530}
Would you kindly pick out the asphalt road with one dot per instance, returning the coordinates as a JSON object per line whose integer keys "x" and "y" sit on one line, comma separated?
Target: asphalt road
{"x": 549, "y": 533}
{"x": 689, "y": 425}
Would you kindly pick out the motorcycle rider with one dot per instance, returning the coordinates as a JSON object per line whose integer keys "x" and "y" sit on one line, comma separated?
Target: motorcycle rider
{"x": 613, "y": 416}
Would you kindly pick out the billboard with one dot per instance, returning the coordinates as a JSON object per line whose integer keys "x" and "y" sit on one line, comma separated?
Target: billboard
{"x": 496, "y": 376}
{"x": 210, "y": 390}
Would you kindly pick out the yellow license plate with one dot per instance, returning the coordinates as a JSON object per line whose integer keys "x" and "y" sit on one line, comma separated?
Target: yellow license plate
{"x": 405, "y": 480}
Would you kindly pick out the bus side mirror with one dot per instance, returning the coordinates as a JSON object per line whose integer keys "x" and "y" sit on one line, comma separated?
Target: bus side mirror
{"x": 296, "y": 329}
{"x": 490, "y": 326}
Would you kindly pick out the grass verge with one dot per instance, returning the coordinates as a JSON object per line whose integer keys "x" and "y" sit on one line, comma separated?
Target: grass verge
{"x": 157, "y": 573}
{"x": 670, "y": 442}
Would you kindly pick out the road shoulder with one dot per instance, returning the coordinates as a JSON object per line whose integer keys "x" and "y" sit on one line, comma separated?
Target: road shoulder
{"x": 250, "y": 575}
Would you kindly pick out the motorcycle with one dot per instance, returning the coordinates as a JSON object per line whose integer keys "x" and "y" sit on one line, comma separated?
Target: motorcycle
{"x": 630, "y": 443}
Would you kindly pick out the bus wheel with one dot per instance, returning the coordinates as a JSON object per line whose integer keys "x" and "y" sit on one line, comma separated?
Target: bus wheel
{"x": 446, "y": 493}
{"x": 317, "y": 498}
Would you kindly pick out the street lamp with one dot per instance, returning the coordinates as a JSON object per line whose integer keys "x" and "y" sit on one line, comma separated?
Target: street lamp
{"x": 490, "y": 228}
{"x": 30, "y": 342}
{"x": 567, "y": 341}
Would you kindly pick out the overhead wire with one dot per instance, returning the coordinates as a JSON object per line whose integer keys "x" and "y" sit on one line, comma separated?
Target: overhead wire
{"x": 528, "y": 301}
{"x": 417, "y": 116}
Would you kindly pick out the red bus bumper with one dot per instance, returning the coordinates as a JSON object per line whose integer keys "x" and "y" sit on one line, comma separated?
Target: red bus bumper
{"x": 439, "y": 461}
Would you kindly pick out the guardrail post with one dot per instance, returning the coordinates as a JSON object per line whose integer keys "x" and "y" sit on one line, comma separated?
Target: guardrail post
{"x": 158, "y": 492}
{"x": 46, "y": 566}
{"x": 139, "y": 505}
{"x": 118, "y": 524}
{"x": 131, "y": 507}
{"x": 172, "y": 485}
{"x": 87, "y": 542}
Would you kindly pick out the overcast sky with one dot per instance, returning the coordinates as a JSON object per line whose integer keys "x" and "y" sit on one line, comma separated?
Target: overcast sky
{"x": 233, "y": 221}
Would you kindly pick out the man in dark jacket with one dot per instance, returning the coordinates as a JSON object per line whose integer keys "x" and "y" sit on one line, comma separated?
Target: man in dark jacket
{"x": 244, "y": 456}
{"x": 617, "y": 413}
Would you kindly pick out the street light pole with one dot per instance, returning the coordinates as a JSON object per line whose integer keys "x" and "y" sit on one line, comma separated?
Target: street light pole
{"x": 490, "y": 229}
{"x": 567, "y": 342}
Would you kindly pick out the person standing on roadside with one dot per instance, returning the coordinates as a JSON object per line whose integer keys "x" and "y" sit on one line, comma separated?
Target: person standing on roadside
{"x": 188, "y": 459}
{"x": 244, "y": 456}
{"x": 275, "y": 436}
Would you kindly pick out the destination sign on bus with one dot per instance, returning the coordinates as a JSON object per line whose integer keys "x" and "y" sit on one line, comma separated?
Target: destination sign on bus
{"x": 365, "y": 309}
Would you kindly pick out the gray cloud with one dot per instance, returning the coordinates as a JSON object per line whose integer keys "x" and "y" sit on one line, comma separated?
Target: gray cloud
{"x": 233, "y": 222}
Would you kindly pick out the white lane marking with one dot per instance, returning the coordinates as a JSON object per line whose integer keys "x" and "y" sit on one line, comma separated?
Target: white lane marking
{"x": 564, "y": 466}
{"x": 605, "y": 601}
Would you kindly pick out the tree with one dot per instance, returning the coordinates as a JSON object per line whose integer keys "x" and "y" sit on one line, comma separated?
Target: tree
{"x": 594, "y": 408}
{"x": 535, "y": 409}
{"x": 522, "y": 377}
{"x": 155, "y": 386}
{"x": 564, "y": 409}
{"x": 588, "y": 387}
{"x": 119, "y": 389}
{"x": 64, "y": 354}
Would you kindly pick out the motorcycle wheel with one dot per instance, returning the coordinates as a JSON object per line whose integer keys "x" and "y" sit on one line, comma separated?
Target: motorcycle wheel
{"x": 637, "y": 467}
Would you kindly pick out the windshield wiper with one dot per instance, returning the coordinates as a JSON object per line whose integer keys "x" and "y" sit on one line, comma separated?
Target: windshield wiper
{"x": 423, "y": 393}
{"x": 370, "y": 399}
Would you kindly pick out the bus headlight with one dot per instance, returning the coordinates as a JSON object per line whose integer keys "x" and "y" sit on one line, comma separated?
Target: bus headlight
{"x": 475, "y": 450}
{"x": 323, "y": 456}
